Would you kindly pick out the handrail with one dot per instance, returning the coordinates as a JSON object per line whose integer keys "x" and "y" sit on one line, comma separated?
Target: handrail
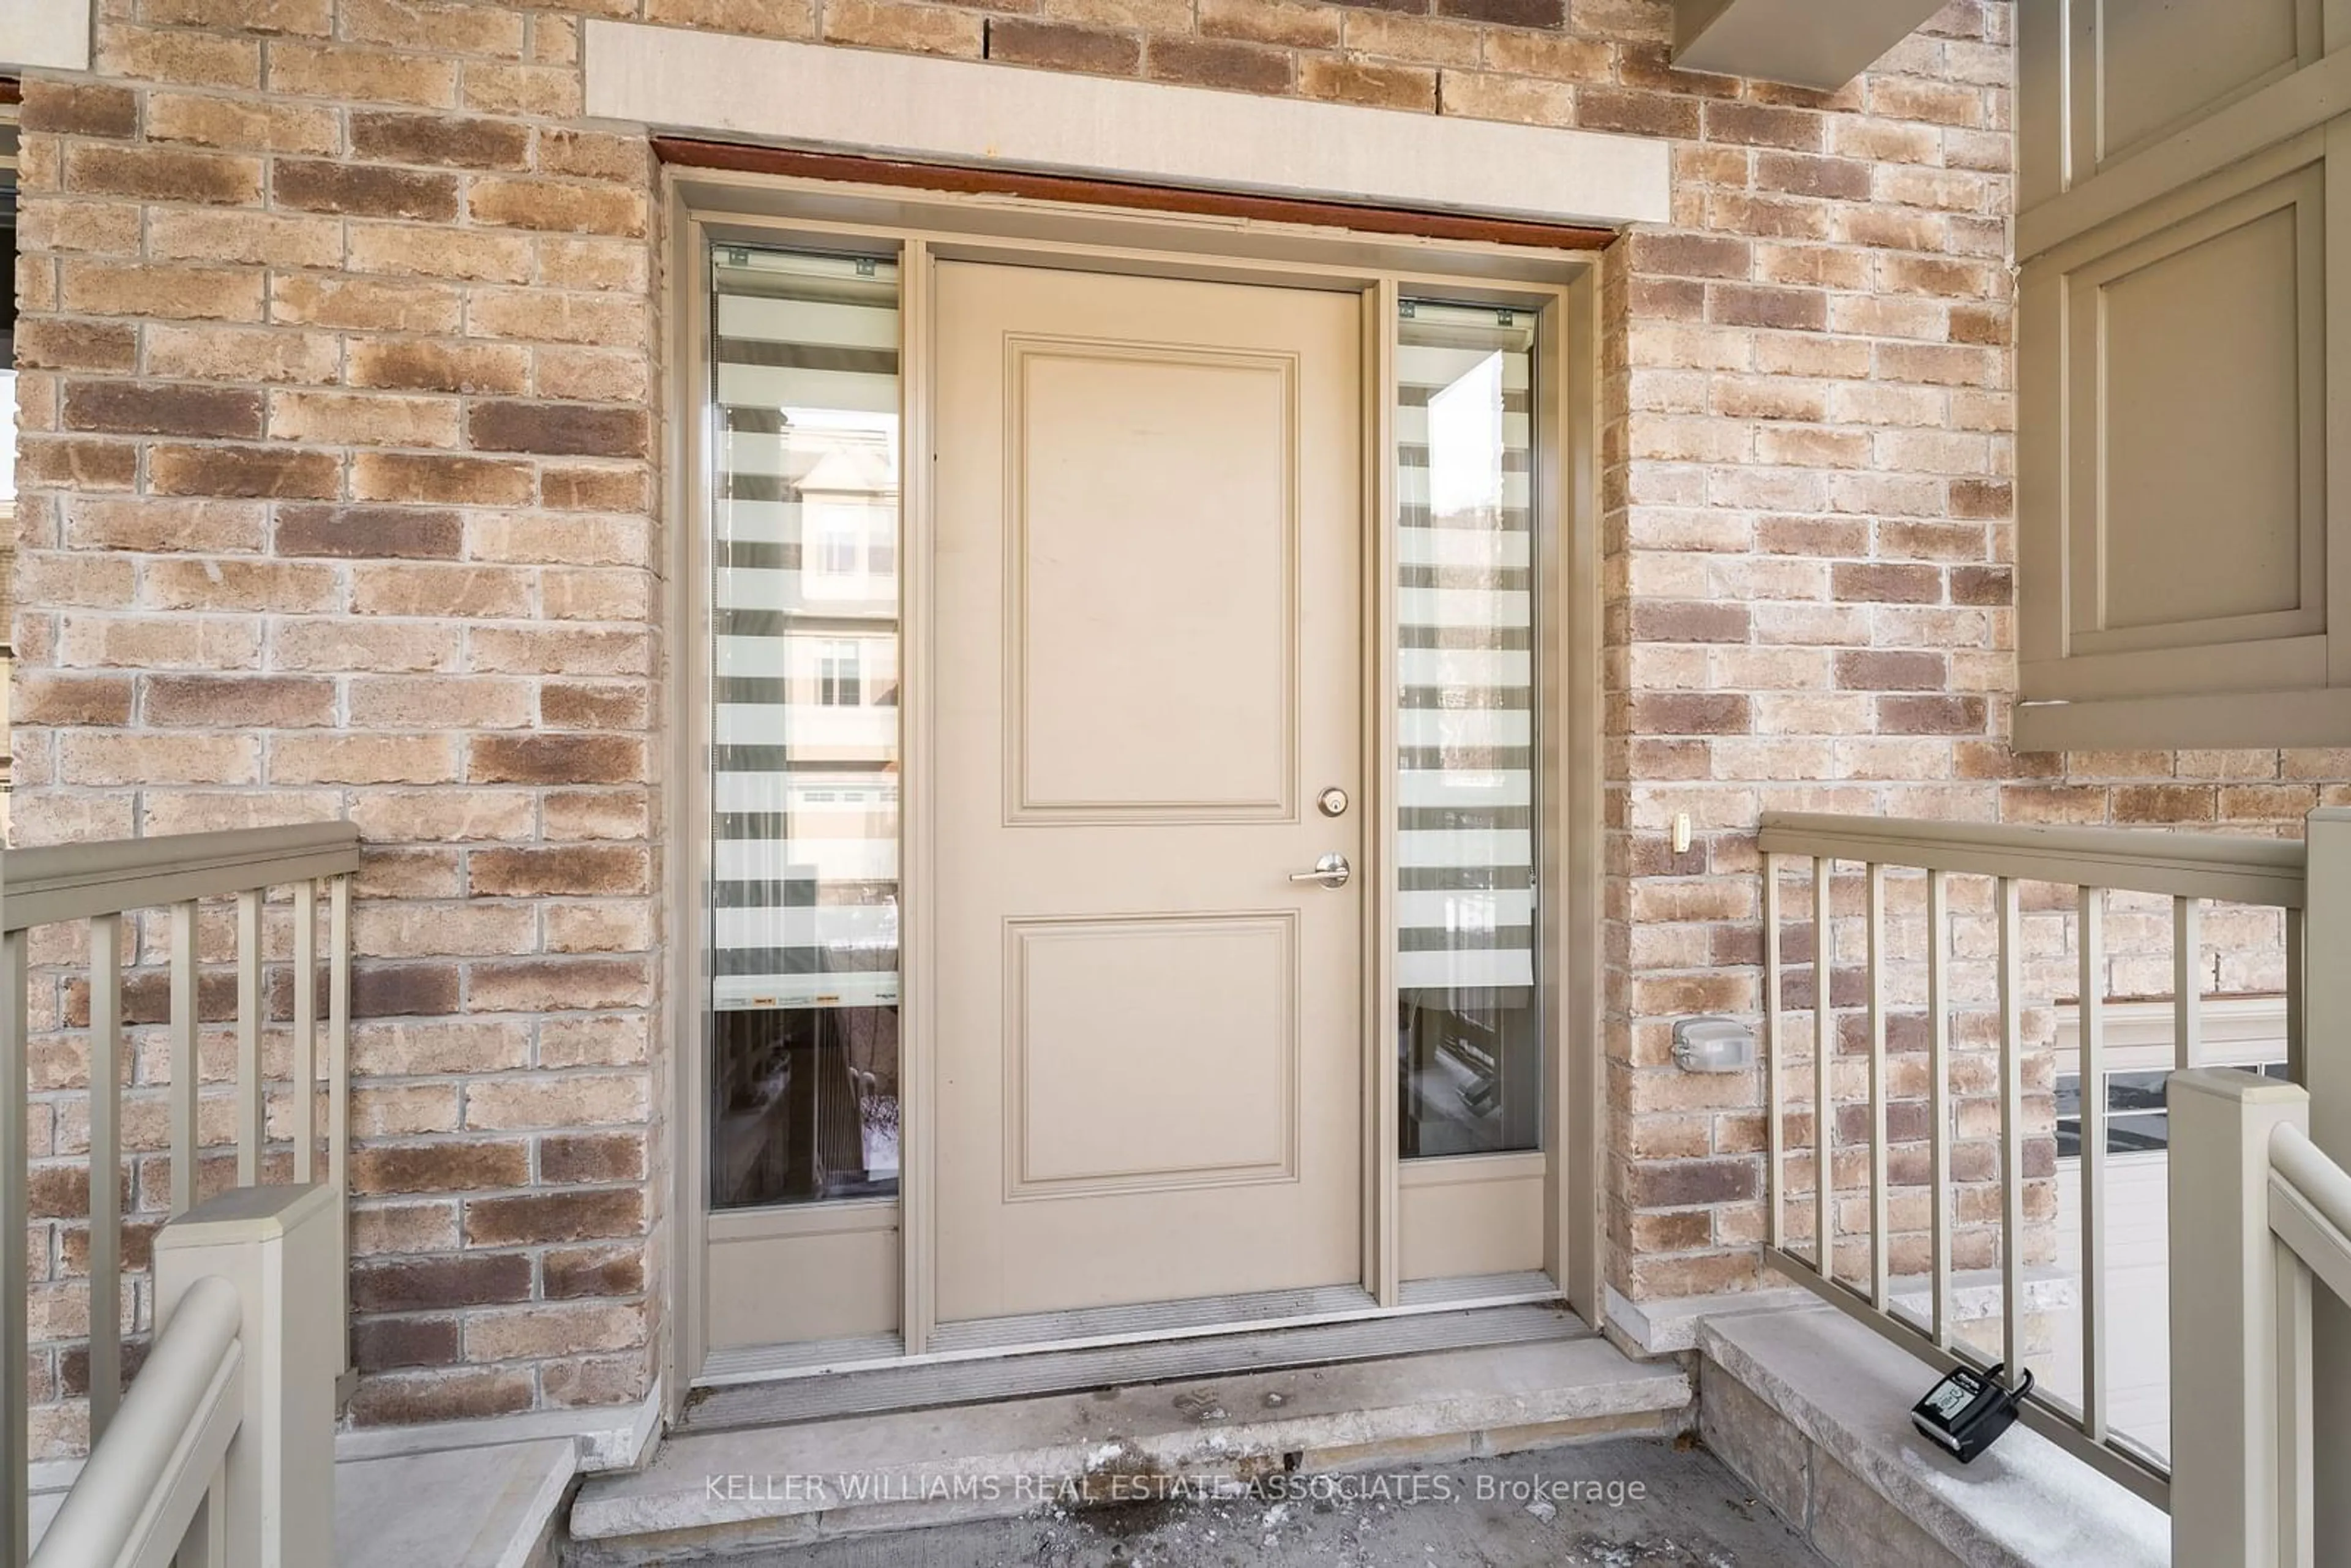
{"x": 2310, "y": 1205}
{"x": 2320, "y": 1182}
{"x": 135, "y": 1498}
{"x": 2235, "y": 868}
{"x": 78, "y": 882}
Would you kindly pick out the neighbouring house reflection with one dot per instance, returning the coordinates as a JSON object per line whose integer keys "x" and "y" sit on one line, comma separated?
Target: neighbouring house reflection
{"x": 803, "y": 958}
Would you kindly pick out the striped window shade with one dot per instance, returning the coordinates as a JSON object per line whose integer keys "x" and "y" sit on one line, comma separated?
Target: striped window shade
{"x": 1464, "y": 664}
{"x": 804, "y": 624}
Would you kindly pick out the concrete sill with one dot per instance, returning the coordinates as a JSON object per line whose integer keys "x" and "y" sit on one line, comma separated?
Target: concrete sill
{"x": 1813, "y": 1410}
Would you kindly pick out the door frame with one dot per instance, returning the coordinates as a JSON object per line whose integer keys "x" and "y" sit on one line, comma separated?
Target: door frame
{"x": 702, "y": 206}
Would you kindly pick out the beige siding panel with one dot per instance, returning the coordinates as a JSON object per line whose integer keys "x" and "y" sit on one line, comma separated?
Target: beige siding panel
{"x": 2179, "y": 466}
{"x": 2181, "y": 527}
{"x": 1478, "y": 1214}
{"x": 827, "y": 1283}
{"x": 2160, "y": 64}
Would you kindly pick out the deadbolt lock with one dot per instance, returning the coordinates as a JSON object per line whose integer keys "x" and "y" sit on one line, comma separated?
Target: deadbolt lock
{"x": 1333, "y": 801}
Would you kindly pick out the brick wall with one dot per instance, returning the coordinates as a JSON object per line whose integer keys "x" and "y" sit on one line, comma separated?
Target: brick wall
{"x": 338, "y": 408}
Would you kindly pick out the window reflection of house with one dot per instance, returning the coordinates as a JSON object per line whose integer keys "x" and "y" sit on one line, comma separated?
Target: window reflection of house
{"x": 837, "y": 681}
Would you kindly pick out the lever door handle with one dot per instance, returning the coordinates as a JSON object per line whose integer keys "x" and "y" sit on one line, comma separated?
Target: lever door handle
{"x": 1331, "y": 871}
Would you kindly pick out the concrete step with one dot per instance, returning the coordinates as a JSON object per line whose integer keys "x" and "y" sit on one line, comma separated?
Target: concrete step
{"x": 453, "y": 1508}
{"x": 708, "y": 1493}
{"x": 871, "y": 1390}
{"x": 491, "y": 1507}
{"x": 1813, "y": 1409}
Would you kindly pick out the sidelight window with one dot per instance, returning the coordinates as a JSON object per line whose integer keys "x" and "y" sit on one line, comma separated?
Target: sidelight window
{"x": 804, "y": 896}
{"x": 1469, "y": 1019}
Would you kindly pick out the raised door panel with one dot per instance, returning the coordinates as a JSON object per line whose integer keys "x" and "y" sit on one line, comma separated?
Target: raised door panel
{"x": 1152, "y": 547}
{"x": 1126, "y": 1074}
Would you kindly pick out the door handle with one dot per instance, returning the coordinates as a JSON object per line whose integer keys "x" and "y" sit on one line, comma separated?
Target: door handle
{"x": 1331, "y": 871}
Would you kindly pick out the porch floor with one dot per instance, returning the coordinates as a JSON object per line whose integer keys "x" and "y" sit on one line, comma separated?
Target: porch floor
{"x": 1495, "y": 1514}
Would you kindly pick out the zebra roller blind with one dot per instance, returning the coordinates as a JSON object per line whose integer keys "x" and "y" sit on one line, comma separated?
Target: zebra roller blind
{"x": 1464, "y": 666}
{"x": 804, "y": 623}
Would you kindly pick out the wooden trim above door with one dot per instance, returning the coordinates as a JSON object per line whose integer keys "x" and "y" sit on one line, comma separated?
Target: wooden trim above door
{"x": 953, "y": 180}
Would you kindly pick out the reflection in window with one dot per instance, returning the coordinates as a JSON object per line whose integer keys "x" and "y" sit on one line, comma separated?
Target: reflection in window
{"x": 804, "y": 728}
{"x": 1468, "y": 1044}
{"x": 837, "y": 681}
{"x": 2138, "y": 1119}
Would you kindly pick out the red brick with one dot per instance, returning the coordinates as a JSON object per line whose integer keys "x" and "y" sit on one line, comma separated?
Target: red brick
{"x": 1690, "y": 713}
{"x": 554, "y": 760}
{"x": 558, "y": 870}
{"x": 1210, "y": 62}
{"x": 1859, "y": 582}
{"x": 272, "y": 472}
{"x": 559, "y": 429}
{"x": 66, "y": 109}
{"x": 147, "y": 409}
{"x": 361, "y": 190}
{"x": 1063, "y": 48}
{"x": 539, "y": 1218}
{"x": 369, "y": 532}
{"x": 238, "y": 702}
{"x": 410, "y": 1284}
{"x": 1889, "y": 670}
{"x": 446, "y": 140}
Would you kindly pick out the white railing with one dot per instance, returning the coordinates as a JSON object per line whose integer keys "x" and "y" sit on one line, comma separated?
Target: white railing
{"x": 223, "y": 1454}
{"x": 155, "y": 1484}
{"x": 115, "y": 890}
{"x": 2190, "y": 869}
{"x": 2257, "y": 1213}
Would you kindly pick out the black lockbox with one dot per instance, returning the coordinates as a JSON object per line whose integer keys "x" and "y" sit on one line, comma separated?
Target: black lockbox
{"x": 1964, "y": 1413}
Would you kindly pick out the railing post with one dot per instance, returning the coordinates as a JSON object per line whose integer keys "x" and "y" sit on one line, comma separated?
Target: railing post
{"x": 2325, "y": 1020}
{"x": 2224, "y": 1348}
{"x": 276, "y": 1246}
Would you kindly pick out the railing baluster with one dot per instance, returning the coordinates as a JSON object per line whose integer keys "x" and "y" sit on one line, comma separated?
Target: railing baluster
{"x": 305, "y": 1053}
{"x": 2186, "y": 982}
{"x": 105, "y": 1171}
{"x": 252, "y": 1128}
{"x": 1938, "y": 1093}
{"x": 2093, "y": 1074}
{"x": 187, "y": 1085}
{"x": 2012, "y": 1130}
{"x": 1774, "y": 1135}
{"x": 15, "y": 1170}
{"x": 2297, "y": 1488}
{"x": 339, "y": 1093}
{"x": 1823, "y": 1076}
{"x": 1880, "y": 1286}
{"x": 2294, "y": 956}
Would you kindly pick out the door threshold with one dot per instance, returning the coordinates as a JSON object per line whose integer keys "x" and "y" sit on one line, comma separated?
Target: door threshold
{"x": 916, "y": 1385}
{"x": 1210, "y": 1317}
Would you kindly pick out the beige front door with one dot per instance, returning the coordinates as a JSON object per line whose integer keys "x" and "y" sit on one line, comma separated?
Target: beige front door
{"x": 1147, "y": 670}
